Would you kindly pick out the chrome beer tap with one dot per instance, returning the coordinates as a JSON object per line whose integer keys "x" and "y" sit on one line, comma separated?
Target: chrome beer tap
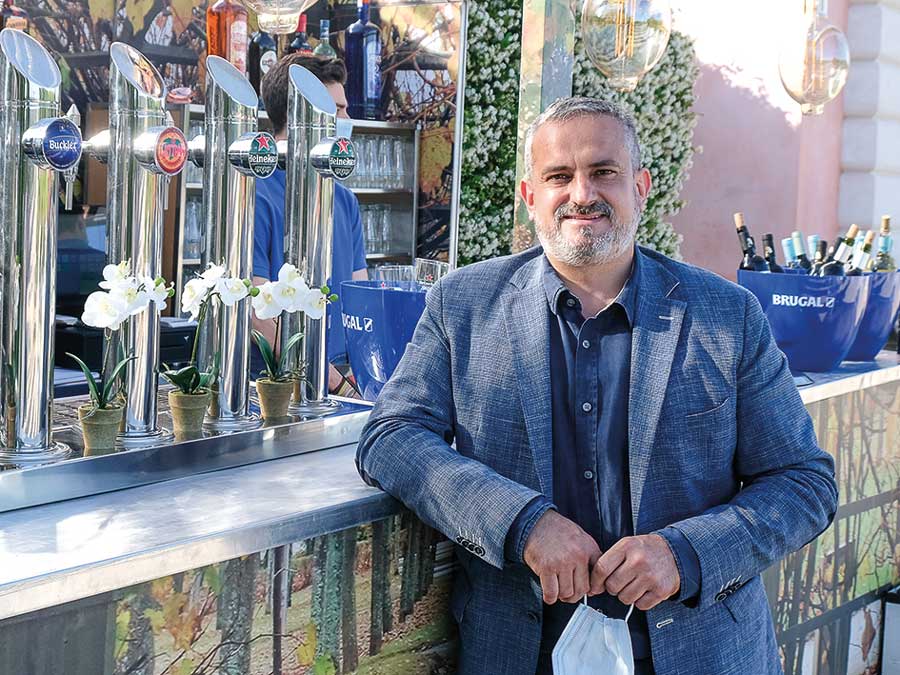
{"x": 142, "y": 150}
{"x": 318, "y": 151}
{"x": 38, "y": 146}
{"x": 232, "y": 154}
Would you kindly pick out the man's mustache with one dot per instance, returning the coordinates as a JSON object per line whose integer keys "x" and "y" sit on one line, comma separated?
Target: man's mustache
{"x": 595, "y": 209}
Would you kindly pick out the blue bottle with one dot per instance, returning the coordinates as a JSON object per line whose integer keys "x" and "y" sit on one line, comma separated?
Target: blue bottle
{"x": 363, "y": 49}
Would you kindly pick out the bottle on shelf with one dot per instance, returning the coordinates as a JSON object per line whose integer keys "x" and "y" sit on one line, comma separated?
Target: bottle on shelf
{"x": 884, "y": 261}
{"x": 838, "y": 266}
{"x": 262, "y": 55}
{"x": 324, "y": 48}
{"x": 820, "y": 256}
{"x": 790, "y": 256}
{"x": 14, "y": 17}
{"x": 861, "y": 259}
{"x": 769, "y": 251}
{"x": 800, "y": 248}
{"x": 226, "y": 32}
{"x": 751, "y": 261}
{"x": 363, "y": 55}
{"x": 300, "y": 43}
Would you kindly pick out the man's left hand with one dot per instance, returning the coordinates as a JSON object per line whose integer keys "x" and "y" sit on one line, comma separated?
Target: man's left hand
{"x": 638, "y": 570}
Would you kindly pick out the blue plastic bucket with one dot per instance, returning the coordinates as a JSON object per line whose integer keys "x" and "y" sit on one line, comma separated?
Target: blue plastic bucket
{"x": 814, "y": 319}
{"x": 881, "y": 313}
{"x": 378, "y": 324}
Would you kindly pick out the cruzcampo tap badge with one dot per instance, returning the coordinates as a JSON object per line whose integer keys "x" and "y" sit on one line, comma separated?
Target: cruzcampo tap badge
{"x": 342, "y": 158}
{"x": 171, "y": 151}
{"x": 262, "y": 159}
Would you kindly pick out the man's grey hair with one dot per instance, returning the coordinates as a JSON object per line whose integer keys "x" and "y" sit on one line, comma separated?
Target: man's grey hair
{"x": 565, "y": 109}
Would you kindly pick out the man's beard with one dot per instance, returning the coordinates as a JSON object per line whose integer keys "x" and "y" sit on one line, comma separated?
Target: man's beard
{"x": 592, "y": 248}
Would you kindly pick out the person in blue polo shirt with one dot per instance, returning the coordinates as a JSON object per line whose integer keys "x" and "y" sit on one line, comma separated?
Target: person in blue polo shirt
{"x": 348, "y": 257}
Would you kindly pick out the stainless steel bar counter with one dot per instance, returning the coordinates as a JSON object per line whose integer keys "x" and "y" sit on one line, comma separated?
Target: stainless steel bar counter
{"x": 294, "y": 565}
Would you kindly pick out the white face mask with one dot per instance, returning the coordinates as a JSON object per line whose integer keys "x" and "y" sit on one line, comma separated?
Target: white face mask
{"x": 593, "y": 643}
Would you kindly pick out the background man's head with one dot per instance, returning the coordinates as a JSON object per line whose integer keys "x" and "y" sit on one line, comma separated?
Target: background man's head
{"x": 274, "y": 87}
{"x": 584, "y": 185}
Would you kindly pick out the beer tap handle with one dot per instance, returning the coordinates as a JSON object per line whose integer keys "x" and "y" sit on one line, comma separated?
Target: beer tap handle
{"x": 166, "y": 179}
{"x": 69, "y": 178}
{"x": 282, "y": 154}
{"x": 74, "y": 116}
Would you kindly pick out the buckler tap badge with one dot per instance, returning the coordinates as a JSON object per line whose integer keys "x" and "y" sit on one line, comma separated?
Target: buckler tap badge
{"x": 342, "y": 158}
{"x": 171, "y": 151}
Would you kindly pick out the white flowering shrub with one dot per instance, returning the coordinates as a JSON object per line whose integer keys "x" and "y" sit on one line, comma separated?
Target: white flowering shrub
{"x": 489, "y": 144}
{"x": 661, "y": 103}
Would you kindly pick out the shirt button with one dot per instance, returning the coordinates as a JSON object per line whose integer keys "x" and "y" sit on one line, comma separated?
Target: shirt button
{"x": 570, "y": 302}
{"x": 586, "y": 344}
{"x": 588, "y": 474}
{"x": 587, "y": 407}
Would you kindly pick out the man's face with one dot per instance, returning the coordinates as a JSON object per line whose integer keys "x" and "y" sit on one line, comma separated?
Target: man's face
{"x": 336, "y": 89}
{"x": 583, "y": 194}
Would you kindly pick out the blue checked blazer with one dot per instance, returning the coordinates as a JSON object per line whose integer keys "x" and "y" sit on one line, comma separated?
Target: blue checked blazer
{"x": 720, "y": 447}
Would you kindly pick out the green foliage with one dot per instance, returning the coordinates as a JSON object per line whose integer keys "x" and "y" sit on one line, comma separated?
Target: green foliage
{"x": 189, "y": 379}
{"x": 661, "y": 103}
{"x": 275, "y": 366}
{"x": 101, "y": 390}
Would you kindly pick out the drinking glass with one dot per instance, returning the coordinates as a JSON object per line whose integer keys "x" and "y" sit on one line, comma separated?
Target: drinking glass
{"x": 385, "y": 228}
{"x": 373, "y": 229}
{"x": 394, "y": 273}
{"x": 400, "y": 172}
{"x": 385, "y": 163}
{"x": 429, "y": 272}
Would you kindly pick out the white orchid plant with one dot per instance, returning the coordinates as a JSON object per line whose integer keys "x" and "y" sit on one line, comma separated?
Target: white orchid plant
{"x": 123, "y": 295}
{"x": 290, "y": 293}
{"x": 196, "y": 298}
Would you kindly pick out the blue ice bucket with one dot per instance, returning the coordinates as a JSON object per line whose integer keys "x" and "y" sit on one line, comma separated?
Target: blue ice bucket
{"x": 378, "y": 323}
{"x": 814, "y": 319}
{"x": 881, "y": 313}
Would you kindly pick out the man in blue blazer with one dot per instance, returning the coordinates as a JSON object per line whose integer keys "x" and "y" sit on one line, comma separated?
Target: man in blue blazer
{"x": 591, "y": 418}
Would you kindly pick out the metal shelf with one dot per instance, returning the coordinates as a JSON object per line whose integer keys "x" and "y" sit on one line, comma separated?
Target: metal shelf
{"x": 387, "y": 256}
{"x": 190, "y": 261}
{"x": 380, "y": 192}
{"x": 374, "y": 125}
{"x": 193, "y": 186}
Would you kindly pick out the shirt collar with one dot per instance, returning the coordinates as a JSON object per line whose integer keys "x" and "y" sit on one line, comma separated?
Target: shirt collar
{"x": 556, "y": 290}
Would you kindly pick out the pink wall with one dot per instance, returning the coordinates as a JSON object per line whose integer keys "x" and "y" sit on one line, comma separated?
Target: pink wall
{"x": 759, "y": 155}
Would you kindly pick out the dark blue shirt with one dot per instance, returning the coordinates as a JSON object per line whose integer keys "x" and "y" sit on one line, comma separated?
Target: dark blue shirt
{"x": 590, "y": 362}
{"x": 348, "y": 254}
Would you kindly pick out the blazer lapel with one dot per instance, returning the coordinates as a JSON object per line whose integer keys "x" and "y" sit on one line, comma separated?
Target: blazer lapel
{"x": 529, "y": 336}
{"x": 655, "y": 336}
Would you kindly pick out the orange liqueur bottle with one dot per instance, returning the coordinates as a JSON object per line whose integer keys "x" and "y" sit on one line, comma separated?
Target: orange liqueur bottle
{"x": 226, "y": 32}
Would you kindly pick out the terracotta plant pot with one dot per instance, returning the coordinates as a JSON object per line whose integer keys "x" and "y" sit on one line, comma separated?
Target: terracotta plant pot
{"x": 188, "y": 411}
{"x": 99, "y": 427}
{"x": 274, "y": 397}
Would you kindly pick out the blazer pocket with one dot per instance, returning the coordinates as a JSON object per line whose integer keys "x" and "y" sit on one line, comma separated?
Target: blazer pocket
{"x": 698, "y": 446}
{"x": 744, "y": 604}
{"x": 701, "y": 416}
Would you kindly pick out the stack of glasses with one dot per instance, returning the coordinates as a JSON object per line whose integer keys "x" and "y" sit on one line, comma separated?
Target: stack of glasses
{"x": 381, "y": 163}
{"x": 376, "y": 226}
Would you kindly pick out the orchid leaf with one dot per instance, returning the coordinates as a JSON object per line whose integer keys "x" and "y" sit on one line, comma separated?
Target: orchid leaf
{"x": 91, "y": 382}
{"x": 289, "y": 345}
{"x": 108, "y": 385}
{"x": 268, "y": 356}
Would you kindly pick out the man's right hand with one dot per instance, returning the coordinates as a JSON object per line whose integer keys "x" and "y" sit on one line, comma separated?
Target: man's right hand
{"x": 562, "y": 555}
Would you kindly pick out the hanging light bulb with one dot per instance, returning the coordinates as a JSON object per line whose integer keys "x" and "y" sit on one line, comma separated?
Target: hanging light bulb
{"x": 625, "y": 39}
{"x": 278, "y": 17}
{"x": 815, "y": 59}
